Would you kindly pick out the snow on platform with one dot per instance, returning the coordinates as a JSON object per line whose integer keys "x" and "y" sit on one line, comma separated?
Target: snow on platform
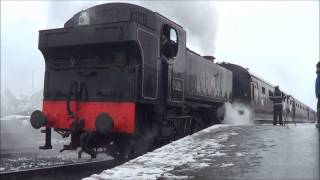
{"x": 230, "y": 152}
{"x": 192, "y": 151}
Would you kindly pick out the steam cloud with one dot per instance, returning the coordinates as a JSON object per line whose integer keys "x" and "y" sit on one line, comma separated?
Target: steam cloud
{"x": 199, "y": 19}
{"x": 238, "y": 114}
{"x": 61, "y": 11}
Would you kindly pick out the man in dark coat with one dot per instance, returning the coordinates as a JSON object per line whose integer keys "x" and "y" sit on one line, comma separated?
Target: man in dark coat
{"x": 168, "y": 49}
{"x": 318, "y": 92}
{"x": 277, "y": 99}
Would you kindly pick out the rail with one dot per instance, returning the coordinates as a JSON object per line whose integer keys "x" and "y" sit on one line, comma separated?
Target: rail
{"x": 70, "y": 171}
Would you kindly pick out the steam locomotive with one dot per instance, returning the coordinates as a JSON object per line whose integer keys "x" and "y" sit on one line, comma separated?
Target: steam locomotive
{"x": 119, "y": 78}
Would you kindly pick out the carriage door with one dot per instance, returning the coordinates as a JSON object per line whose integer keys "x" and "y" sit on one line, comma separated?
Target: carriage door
{"x": 254, "y": 92}
{"x": 149, "y": 49}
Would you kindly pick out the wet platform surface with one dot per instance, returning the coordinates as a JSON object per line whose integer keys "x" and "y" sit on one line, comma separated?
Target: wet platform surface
{"x": 230, "y": 152}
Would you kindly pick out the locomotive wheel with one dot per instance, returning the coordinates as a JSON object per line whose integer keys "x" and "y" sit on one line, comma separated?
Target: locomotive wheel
{"x": 112, "y": 150}
{"x": 120, "y": 148}
{"x": 196, "y": 125}
{"x": 86, "y": 139}
{"x": 174, "y": 133}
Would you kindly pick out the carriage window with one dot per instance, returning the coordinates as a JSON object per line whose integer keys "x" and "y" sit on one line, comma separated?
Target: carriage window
{"x": 263, "y": 90}
{"x": 270, "y": 93}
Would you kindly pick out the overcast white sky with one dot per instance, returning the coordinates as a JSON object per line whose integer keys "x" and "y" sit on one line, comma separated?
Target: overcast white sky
{"x": 279, "y": 41}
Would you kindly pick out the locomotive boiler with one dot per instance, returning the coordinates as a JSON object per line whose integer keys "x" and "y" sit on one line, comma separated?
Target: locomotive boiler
{"x": 119, "y": 78}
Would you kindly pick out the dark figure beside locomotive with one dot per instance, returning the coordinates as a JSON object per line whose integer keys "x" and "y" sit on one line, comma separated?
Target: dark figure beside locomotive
{"x": 277, "y": 99}
{"x": 317, "y": 89}
{"x": 130, "y": 84}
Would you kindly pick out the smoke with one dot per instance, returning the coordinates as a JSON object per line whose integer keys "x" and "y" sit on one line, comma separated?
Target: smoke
{"x": 198, "y": 18}
{"x": 22, "y": 104}
{"x": 61, "y": 11}
{"x": 238, "y": 114}
{"x": 16, "y": 132}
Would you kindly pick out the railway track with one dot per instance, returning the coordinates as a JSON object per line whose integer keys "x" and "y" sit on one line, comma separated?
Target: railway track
{"x": 70, "y": 171}
{"x": 7, "y": 153}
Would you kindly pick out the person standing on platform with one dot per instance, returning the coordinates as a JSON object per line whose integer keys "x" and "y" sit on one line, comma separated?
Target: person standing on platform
{"x": 277, "y": 99}
{"x": 318, "y": 93}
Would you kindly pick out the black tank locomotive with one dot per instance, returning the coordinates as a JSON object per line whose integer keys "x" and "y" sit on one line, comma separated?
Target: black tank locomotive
{"x": 110, "y": 83}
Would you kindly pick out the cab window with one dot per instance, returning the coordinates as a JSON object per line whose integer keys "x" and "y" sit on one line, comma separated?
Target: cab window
{"x": 169, "y": 41}
{"x": 173, "y": 35}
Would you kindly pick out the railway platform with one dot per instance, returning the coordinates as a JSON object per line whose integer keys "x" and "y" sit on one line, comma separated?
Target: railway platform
{"x": 230, "y": 152}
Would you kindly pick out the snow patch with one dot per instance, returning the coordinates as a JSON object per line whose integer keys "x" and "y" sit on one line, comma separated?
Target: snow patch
{"x": 191, "y": 152}
{"x": 171, "y": 176}
{"x": 226, "y": 165}
{"x": 19, "y": 159}
{"x": 239, "y": 154}
{"x": 217, "y": 154}
{"x": 234, "y": 133}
